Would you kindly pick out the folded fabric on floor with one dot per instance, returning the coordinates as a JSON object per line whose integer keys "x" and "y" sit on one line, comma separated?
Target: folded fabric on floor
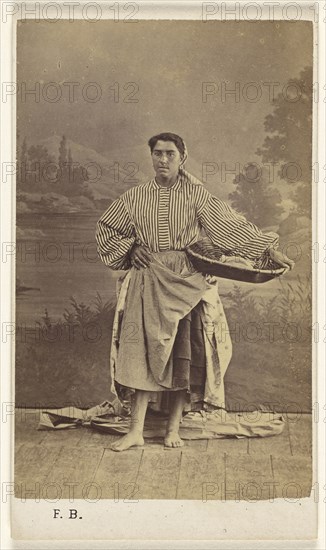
{"x": 72, "y": 417}
{"x": 195, "y": 425}
{"x": 202, "y": 425}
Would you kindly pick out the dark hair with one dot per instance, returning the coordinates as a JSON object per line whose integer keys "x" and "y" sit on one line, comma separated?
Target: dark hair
{"x": 168, "y": 136}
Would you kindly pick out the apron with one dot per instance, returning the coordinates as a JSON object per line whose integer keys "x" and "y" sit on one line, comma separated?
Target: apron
{"x": 170, "y": 333}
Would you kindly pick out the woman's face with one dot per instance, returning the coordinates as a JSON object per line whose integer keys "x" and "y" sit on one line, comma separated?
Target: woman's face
{"x": 166, "y": 159}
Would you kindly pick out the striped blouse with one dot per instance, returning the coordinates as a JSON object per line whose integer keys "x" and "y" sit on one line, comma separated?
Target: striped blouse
{"x": 172, "y": 218}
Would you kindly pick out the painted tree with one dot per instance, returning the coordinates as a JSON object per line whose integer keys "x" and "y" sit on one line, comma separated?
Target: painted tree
{"x": 289, "y": 138}
{"x": 40, "y": 169}
{"x": 66, "y": 169}
{"x": 63, "y": 153}
{"x": 72, "y": 178}
{"x": 259, "y": 201}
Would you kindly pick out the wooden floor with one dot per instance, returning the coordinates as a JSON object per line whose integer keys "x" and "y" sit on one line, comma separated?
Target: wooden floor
{"x": 78, "y": 463}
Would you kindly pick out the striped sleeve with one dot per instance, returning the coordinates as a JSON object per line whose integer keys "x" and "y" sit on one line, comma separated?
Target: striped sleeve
{"x": 115, "y": 236}
{"x": 233, "y": 233}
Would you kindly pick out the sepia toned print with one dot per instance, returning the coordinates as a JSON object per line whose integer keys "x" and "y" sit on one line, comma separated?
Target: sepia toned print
{"x": 163, "y": 294}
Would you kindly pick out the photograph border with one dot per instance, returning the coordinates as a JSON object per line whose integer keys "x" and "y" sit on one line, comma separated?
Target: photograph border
{"x": 30, "y": 517}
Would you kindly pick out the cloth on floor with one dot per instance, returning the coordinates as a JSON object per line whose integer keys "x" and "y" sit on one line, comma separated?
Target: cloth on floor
{"x": 72, "y": 417}
{"x": 195, "y": 425}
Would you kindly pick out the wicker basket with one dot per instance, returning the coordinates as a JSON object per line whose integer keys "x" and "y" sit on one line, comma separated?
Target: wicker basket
{"x": 210, "y": 260}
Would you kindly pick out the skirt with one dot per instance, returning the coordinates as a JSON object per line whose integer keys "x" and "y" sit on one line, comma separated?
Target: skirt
{"x": 163, "y": 339}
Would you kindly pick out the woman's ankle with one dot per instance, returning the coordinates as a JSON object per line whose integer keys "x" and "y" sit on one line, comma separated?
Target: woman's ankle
{"x": 136, "y": 430}
{"x": 172, "y": 428}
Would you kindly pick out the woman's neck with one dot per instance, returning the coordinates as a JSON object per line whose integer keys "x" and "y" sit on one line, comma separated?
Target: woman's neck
{"x": 166, "y": 182}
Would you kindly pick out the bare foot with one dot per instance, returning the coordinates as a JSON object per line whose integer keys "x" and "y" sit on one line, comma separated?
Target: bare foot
{"x": 172, "y": 439}
{"x": 129, "y": 440}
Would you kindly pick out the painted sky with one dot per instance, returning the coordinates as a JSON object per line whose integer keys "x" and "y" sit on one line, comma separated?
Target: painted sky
{"x": 168, "y": 61}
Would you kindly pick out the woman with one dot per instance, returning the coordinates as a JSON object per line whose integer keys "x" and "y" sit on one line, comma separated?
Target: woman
{"x": 170, "y": 332}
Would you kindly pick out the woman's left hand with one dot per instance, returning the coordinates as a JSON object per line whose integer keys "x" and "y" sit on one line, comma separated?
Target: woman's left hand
{"x": 278, "y": 257}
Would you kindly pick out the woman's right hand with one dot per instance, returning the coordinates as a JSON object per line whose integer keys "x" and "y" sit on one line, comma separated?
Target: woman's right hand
{"x": 140, "y": 257}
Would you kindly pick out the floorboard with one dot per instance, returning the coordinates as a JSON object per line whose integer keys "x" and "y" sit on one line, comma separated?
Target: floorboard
{"x": 292, "y": 477}
{"x": 277, "y": 445}
{"x": 93, "y": 438}
{"x": 70, "y": 437}
{"x": 247, "y": 477}
{"x": 117, "y": 475}
{"x": 229, "y": 445}
{"x": 73, "y": 473}
{"x": 26, "y": 422}
{"x": 159, "y": 475}
{"x": 300, "y": 430}
{"x": 33, "y": 463}
{"x": 201, "y": 476}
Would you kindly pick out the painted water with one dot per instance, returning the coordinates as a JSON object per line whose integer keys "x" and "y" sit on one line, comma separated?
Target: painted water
{"x": 56, "y": 259}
